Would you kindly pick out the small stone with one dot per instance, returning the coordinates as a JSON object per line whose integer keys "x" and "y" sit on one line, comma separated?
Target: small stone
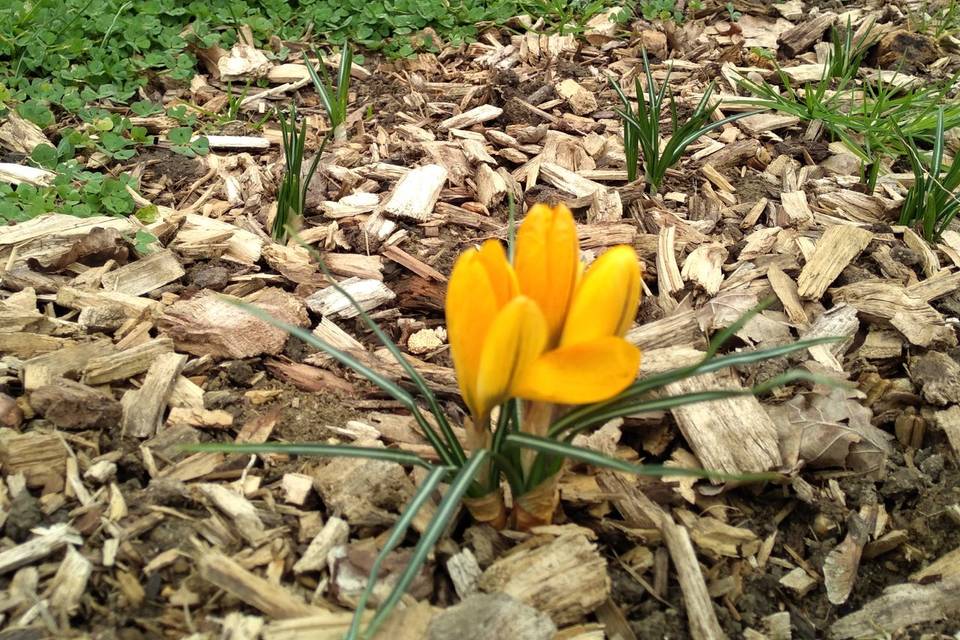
{"x": 210, "y": 276}
{"x": 425, "y": 341}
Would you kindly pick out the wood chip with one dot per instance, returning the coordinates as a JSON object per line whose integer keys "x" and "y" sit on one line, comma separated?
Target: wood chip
{"x": 836, "y": 248}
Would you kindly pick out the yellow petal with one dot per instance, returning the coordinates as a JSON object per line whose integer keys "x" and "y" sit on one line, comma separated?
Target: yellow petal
{"x": 605, "y": 302}
{"x": 502, "y": 277}
{"x": 582, "y": 373}
{"x": 480, "y": 285}
{"x": 516, "y": 338}
{"x": 547, "y": 261}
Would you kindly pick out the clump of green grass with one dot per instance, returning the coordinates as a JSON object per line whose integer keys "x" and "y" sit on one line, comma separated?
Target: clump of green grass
{"x": 872, "y": 119}
{"x": 641, "y": 126}
{"x": 938, "y": 19}
{"x": 932, "y": 202}
{"x": 335, "y": 99}
{"x": 848, "y": 50}
{"x": 293, "y": 188}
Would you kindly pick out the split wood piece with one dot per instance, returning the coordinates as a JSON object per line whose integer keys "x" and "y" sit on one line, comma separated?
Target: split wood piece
{"x": 70, "y": 405}
{"x": 734, "y": 435}
{"x": 238, "y": 509}
{"x": 58, "y": 224}
{"x": 325, "y": 626}
{"x": 856, "y": 206}
{"x": 354, "y": 204}
{"x": 676, "y": 330}
{"x": 703, "y": 267}
{"x": 70, "y": 582}
{"x": 415, "y": 265}
{"x": 541, "y": 577}
{"x": 336, "y": 337}
{"x": 143, "y": 408}
{"x": 669, "y": 279}
{"x": 899, "y": 607}
{"x": 186, "y": 394}
{"x": 41, "y": 370}
{"x": 639, "y": 510}
{"x": 795, "y": 209}
{"x": 18, "y": 174}
{"x": 199, "y": 418}
{"x": 19, "y": 135}
{"x": 948, "y": 421}
{"x": 834, "y": 250}
{"x": 920, "y": 323}
{"x": 272, "y": 599}
{"x": 605, "y": 203}
{"x": 786, "y": 290}
{"x": 144, "y": 275}
{"x": 31, "y": 345}
{"x": 477, "y": 115}
{"x": 928, "y": 259}
{"x": 582, "y": 101}
{"x": 209, "y": 324}
{"x": 946, "y": 566}
{"x": 133, "y": 306}
{"x": 125, "y": 364}
{"x": 354, "y": 265}
{"x": 237, "y": 143}
{"x": 464, "y": 572}
{"x": 38, "y": 456}
{"x": 839, "y": 321}
{"x": 416, "y": 193}
{"x": 596, "y": 236}
{"x": 801, "y": 37}
{"x": 198, "y": 232}
{"x": 491, "y": 187}
{"x": 763, "y": 122}
{"x": 937, "y": 286}
{"x": 841, "y": 564}
{"x": 296, "y": 488}
{"x": 804, "y": 73}
{"x": 335, "y": 532}
{"x": 48, "y": 541}
{"x": 714, "y": 176}
{"x": 369, "y": 294}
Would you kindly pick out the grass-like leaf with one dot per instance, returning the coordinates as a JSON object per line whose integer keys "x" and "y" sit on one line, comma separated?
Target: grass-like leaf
{"x": 397, "y": 392}
{"x": 932, "y": 201}
{"x": 420, "y": 498}
{"x": 562, "y": 449}
{"x": 641, "y": 126}
{"x": 293, "y": 188}
{"x": 313, "y": 449}
{"x": 452, "y": 443}
{"x": 707, "y": 365}
{"x": 445, "y": 511}
{"x": 334, "y": 101}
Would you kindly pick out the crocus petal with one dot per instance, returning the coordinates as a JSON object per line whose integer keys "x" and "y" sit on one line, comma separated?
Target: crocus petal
{"x": 547, "y": 260}
{"x": 480, "y": 285}
{"x": 581, "y": 373}
{"x": 516, "y": 338}
{"x": 605, "y": 302}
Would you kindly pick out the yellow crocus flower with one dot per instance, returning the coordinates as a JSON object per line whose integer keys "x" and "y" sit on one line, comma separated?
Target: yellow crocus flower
{"x": 538, "y": 330}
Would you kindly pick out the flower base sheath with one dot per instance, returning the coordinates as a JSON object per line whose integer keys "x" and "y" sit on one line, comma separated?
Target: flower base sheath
{"x": 544, "y": 328}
